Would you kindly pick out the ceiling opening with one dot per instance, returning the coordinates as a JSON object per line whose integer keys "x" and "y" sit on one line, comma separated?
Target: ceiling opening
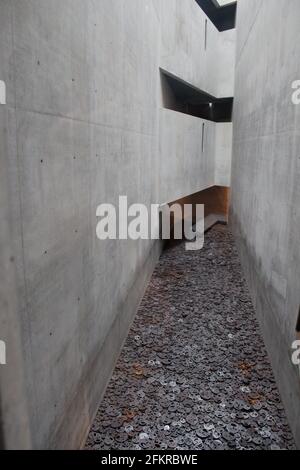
{"x": 222, "y": 13}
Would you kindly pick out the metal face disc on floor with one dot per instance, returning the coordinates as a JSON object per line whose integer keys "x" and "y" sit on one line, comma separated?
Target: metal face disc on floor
{"x": 194, "y": 373}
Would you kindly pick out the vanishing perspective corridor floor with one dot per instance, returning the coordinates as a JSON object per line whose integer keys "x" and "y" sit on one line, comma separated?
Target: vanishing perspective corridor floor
{"x": 194, "y": 373}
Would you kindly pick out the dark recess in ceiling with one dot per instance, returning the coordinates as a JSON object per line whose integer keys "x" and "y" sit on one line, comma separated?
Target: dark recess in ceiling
{"x": 185, "y": 98}
{"x": 223, "y": 17}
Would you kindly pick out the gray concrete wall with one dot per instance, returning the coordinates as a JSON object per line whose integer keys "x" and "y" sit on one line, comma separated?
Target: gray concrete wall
{"x": 194, "y": 154}
{"x": 223, "y": 153}
{"x": 185, "y": 167}
{"x": 208, "y": 65}
{"x": 81, "y": 127}
{"x": 265, "y": 178}
{"x": 13, "y": 407}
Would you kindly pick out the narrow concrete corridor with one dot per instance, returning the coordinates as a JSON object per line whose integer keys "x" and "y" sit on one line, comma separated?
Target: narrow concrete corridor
{"x": 194, "y": 373}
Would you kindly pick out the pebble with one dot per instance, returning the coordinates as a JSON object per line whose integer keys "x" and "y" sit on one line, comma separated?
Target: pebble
{"x": 194, "y": 373}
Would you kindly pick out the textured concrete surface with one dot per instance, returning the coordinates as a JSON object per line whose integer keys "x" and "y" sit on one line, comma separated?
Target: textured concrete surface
{"x": 80, "y": 128}
{"x": 194, "y": 373}
{"x": 13, "y": 409}
{"x": 183, "y": 37}
{"x": 181, "y": 138}
{"x": 265, "y": 212}
{"x": 223, "y": 154}
{"x": 195, "y": 154}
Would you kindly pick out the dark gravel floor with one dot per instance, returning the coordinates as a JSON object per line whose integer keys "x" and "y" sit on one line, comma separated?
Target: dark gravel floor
{"x": 193, "y": 373}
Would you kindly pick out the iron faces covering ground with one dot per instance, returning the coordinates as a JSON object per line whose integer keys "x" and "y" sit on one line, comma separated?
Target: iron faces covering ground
{"x": 194, "y": 373}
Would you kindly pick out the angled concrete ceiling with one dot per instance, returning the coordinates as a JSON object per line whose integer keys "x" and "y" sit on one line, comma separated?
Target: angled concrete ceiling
{"x": 221, "y": 12}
